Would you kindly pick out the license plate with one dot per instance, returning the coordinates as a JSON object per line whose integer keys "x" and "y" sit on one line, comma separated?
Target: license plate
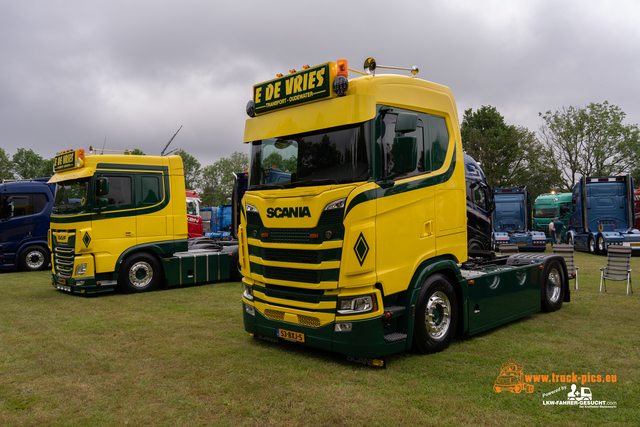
{"x": 290, "y": 335}
{"x": 62, "y": 281}
{"x": 635, "y": 244}
{"x": 522, "y": 244}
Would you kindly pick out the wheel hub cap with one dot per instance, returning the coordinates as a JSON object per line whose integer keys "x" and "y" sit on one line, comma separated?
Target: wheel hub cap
{"x": 438, "y": 317}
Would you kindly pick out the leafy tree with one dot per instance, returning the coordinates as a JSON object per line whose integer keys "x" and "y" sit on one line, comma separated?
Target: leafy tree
{"x": 275, "y": 159}
{"x": 192, "y": 169}
{"x": 590, "y": 141}
{"x": 217, "y": 179}
{"x": 27, "y": 164}
{"x": 137, "y": 152}
{"x": 509, "y": 155}
{"x": 5, "y": 166}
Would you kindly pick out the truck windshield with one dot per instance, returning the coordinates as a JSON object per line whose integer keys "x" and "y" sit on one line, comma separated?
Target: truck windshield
{"x": 545, "y": 213}
{"x": 71, "y": 197}
{"x": 334, "y": 156}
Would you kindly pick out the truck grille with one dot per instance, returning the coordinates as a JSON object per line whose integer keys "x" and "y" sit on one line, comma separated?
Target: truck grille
{"x": 63, "y": 255}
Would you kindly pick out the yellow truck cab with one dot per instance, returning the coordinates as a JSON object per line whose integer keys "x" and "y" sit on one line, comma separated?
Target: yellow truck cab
{"x": 353, "y": 233}
{"x": 121, "y": 219}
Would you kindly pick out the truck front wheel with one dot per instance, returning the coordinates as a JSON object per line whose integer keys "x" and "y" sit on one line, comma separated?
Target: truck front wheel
{"x": 34, "y": 258}
{"x": 553, "y": 286}
{"x": 436, "y": 315}
{"x": 140, "y": 273}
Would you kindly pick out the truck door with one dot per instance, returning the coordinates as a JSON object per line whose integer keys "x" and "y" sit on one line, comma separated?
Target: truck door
{"x": 16, "y": 220}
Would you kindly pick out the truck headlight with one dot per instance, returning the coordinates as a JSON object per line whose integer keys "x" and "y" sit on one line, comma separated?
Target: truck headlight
{"x": 251, "y": 208}
{"x": 357, "y": 304}
{"x": 81, "y": 269}
{"x": 337, "y": 204}
{"x": 248, "y": 292}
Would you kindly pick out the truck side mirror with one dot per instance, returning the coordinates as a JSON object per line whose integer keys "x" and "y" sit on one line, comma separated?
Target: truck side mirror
{"x": 102, "y": 186}
{"x": 406, "y": 122}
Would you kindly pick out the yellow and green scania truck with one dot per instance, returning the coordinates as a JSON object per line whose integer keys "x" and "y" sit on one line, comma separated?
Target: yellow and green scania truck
{"x": 121, "y": 220}
{"x": 353, "y": 234}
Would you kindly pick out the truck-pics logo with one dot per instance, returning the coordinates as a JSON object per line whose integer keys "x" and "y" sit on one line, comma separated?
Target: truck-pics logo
{"x": 297, "y": 212}
{"x": 512, "y": 378}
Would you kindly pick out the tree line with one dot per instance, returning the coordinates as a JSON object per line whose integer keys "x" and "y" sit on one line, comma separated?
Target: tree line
{"x": 572, "y": 142}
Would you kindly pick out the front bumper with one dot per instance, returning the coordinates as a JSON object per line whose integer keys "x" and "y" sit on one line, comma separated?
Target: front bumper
{"x": 365, "y": 339}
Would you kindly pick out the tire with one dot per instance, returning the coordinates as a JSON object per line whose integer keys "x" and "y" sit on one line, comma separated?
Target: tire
{"x": 601, "y": 248}
{"x": 436, "y": 315}
{"x": 475, "y": 246}
{"x": 140, "y": 273}
{"x": 235, "y": 273}
{"x": 553, "y": 286}
{"x": 591, "y": 245}
{"x": 570, "y": 239}
{"x": 34, "y": 258}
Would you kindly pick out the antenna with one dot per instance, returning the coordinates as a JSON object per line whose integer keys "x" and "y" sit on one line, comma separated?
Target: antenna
{"x": 103, "y": 144}
{"x": 166, "y": 146}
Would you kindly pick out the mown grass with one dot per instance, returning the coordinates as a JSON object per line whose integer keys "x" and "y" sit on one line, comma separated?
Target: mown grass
{"x": 181, "y": 358}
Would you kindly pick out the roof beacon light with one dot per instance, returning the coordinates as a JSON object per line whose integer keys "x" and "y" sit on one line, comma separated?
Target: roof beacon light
{"x": 342, "y": 68}
{"x": 370, "y": 66}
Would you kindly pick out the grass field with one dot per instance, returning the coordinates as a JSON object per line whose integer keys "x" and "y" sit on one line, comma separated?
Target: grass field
{"x": 181, "y": 358}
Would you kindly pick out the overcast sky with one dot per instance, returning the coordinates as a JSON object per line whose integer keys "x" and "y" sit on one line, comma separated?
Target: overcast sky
{"x": 74, "y": 72}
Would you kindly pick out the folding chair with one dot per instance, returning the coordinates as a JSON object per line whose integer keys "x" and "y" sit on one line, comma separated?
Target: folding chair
{"x": 618, "y": 263}
{"x": 507, "y": 249}
{"x": 566, "y": 252}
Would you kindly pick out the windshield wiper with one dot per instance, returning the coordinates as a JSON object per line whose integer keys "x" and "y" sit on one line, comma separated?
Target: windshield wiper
{"x": 266, "y": 187}
{"x": 314, "y": 182}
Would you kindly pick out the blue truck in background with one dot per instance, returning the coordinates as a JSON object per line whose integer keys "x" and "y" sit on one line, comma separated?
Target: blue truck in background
{"x": 25, "y": 208}
{"x": 512, "y": 221}
{"x": 603, "y": 214}
{"x": 221, "y": 222}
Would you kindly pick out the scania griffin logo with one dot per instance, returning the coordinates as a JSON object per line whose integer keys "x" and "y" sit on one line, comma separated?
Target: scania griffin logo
{"x": 297, "y": 212}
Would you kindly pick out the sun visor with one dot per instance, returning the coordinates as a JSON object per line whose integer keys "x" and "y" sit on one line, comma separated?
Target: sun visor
{"x": 59, "y": 177}
{"x": 325, "y": 114}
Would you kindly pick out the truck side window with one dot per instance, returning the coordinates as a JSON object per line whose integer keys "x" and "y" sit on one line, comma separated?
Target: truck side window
{"x": 150, "y": 188}
{"x": 479, "y": 197}
{"x": 18, "y": 205}
{"x": 387, "y": 133}
{"x": 119, "y": 191}
{"x": 437, "y": 141}
{"x": 39, "y": 202}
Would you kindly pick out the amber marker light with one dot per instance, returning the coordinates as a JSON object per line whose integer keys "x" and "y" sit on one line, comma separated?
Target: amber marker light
{"x": 314, "y": 235}
{"x": 305, "y": 67}
{"x": 264, "y": 235}
{"x": 342, "y": 68}
{"x": 81, "y": 153}
{"x": 293, "y": 70}
{"x": 279, "y": 75}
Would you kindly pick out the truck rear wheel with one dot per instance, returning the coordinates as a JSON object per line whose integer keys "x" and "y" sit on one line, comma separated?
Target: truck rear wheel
{"x": 601, "y": 247}
{"x": 34, "y": 258}
{"x": 436, "y": 315}
{"x": 591, "y": 245}
{"x": 140, "y": 273}
{"x": 553, "y": 286}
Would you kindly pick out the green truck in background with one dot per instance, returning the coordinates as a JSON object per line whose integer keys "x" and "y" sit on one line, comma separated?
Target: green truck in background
{"x": 551, "y": 207}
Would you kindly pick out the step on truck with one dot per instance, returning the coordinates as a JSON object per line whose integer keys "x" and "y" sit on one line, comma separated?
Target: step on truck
{"x": 512, "y": 220}
{"x": 603, "y": 214}
{"x": 25, "y": 207}
{"x": 363, "y": 249}
{"x": 121, "y": 220}
{"x": 551, "y": 207}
